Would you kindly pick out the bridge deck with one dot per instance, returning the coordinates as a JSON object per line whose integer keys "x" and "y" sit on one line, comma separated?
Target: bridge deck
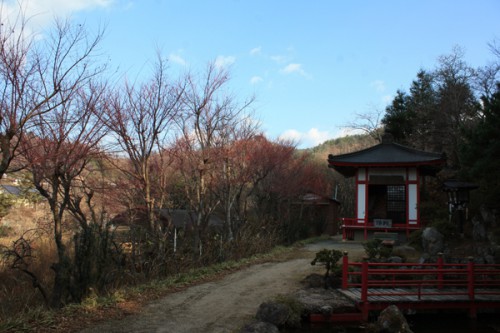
{"x": 405, "y": 295}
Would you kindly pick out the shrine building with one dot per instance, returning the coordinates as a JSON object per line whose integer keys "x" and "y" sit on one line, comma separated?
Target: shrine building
{"x": 388, "y": 178}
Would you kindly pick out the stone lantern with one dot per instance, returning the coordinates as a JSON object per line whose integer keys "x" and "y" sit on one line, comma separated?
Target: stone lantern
{"x": 458, "y": 199}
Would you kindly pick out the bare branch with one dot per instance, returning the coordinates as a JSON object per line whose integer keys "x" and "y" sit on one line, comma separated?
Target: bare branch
{"x": 39, "y": 74}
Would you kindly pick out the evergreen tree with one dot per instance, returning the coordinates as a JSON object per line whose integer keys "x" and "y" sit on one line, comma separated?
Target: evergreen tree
{"x": 422, "y": 103}
{"x": 481, "y": 152}
{"x": 399, "y": 119}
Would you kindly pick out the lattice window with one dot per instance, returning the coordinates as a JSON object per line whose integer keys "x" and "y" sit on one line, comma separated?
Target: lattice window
{"x": 396, "y": 198}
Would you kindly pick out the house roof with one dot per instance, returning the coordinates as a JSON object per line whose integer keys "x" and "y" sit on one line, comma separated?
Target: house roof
{"x": 182, "y": 218}
{"x": 316, "y": 199}
{"x": 179, "y": 218}
{"x": 10, "y": 189}
{"x": 386, "y": 154}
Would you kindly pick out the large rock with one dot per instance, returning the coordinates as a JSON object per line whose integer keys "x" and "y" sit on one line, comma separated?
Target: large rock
{"x": 259, "y": 327}
{"x": 432, "y": 241}
{"x": 325, "y": 301}
{"x": 410, "y": 254}
{"x": 314, "y": 281}
{"x": 478, "y": 230}
{"x": 273, "y": 312}
{"x": 391, "y": 320}
{"x": 318, "y": 281}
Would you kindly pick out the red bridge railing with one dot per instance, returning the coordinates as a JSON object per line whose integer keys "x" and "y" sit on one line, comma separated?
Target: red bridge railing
{"x": 464, "y": 281}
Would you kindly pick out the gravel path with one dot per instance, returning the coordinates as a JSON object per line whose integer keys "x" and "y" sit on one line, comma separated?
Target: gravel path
{"x": 224, "y": 305}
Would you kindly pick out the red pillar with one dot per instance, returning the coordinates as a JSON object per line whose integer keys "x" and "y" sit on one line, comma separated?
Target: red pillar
{"x": 364, "y": 289}
{"x": 440, "y": 270}
{"x": 345, "y": 270}
{"x": 470, "y": 288}
{"x": 364, "y": 281}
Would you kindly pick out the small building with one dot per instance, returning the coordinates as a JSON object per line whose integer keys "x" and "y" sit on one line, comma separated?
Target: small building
{"x": 388, "y": 177}
{"x": 172, "y": 220}
{"x": 319, "y": 212}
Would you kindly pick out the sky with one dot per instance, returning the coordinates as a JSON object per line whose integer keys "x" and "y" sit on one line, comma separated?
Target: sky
{"x": 313, "y": 66}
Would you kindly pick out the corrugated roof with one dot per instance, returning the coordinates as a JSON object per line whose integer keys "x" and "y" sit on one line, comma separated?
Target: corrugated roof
{"x": 11, "y": 189}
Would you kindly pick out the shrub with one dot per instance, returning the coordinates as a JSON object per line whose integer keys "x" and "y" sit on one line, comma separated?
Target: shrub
{"x": 376, "y": 250}
{"x": 329, "y": 259}
{"x": 5, "y": 230}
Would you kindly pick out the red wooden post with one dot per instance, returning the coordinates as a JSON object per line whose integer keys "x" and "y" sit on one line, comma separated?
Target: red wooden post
{"x": 440, "y": 270}
{"x": 470, "y": 278}
{"x": 470, "y": 287}
{"x": 345, "y": 270}
{"x": 344, "y": 225}
{"x": 364, "y": 281}
{"x": 366, "y": 228}
{"x": 364, "y": 289}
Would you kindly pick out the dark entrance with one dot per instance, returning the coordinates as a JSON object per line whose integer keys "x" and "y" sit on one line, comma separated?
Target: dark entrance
{"x": 387, "y": 202}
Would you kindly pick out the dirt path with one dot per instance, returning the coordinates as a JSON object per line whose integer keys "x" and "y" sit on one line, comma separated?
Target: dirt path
{"x": 224, "y": 305}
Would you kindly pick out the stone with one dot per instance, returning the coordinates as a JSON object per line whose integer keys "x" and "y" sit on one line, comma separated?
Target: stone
{"x": 478, "y": 230}
{"x": 259, "y": 327}
{"x": 488, "y": 215}
{"x": 273, "y": 312}
{"x": 409, "y": 253}
{"x": 395, "y": 260}
{"x": 432, "y": 241}
{"x": 320, "y": 300}
{"x": 391, "y": 320}
{"x": 314, "y": 281}
{"x": 326, "y": 310}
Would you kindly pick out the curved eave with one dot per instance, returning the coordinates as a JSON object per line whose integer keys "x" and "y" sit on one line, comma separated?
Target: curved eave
{"x": 348, "y": 169}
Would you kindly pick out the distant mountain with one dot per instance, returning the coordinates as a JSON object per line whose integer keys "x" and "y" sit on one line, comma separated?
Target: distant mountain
{"x": 343, "y": 145}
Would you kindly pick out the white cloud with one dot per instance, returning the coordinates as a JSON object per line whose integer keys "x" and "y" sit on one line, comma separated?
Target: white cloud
{"x": 279, "y": 59}
{"x": 295, "y": 68}
{"x": 256, "y": 79}
{"x": 308, "y": 139}
{"x": 42, "y": 12}
{"x": 177, "y": 59}
{"x": 256, "y": 51}
{"x": 222, "y": 61}
{"x": 291, "y": 134}
{"x": 346, "y": 131}
{"x": 292, "y": 68}
{"x": 379, "y": 85}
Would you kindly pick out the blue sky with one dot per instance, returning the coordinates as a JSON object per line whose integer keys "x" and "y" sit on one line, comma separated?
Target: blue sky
{"x": 312, "y": 65}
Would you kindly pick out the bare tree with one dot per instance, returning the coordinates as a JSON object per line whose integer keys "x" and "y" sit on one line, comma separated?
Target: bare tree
{"x": 58, "y": 149}
{"x": 488, "y": 76}
{"x": 209, "y": 115}
{"x": 140, "y": 117}
{"x": 495, "y": 47}
{"x": 37, "y": 75}
{"x": 235, "y": 172}
{"x": 368, "y": 123}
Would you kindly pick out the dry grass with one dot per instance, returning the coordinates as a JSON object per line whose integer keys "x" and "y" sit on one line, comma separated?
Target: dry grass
{"x": 129, "y": 300}
{"x": 16, "y": 287}
{"x": 22, "y": 307}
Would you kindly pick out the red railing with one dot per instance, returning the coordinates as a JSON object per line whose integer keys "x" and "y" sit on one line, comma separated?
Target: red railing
{"x": 416, "y": 279}
{"x": 349, "y": 225}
